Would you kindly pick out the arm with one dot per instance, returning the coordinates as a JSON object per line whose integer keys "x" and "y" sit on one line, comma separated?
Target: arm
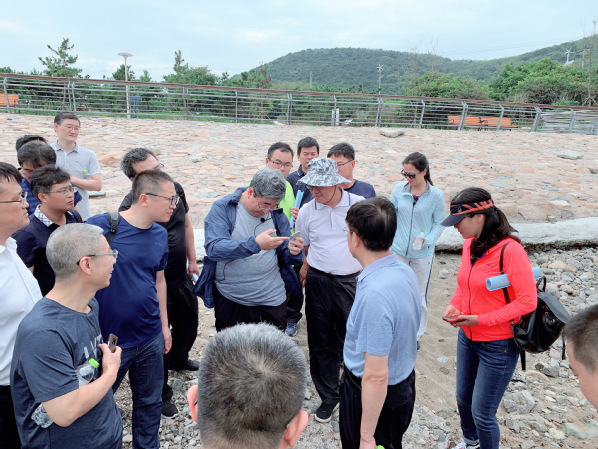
{"x": 161, "y": 293}
{"x": 190, "y": 243}
{"x": 66, "y": 409}
{"x": 373, "y": 393}
{"x": 438, "y": 214}
{"x": 95, "y": 183}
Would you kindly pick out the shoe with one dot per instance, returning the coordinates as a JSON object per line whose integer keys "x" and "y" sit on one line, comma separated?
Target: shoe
{"x": 325, "y": 411}
{"x": 189, "y": 365}
{"x": 463, "y": 445}
{"x": 418, "y": 346}
{"x": 169, "y": 410}
{"x": 291, "y": 329}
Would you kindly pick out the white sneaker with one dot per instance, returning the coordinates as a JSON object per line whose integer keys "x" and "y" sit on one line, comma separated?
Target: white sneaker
{"x": 463, "y": 445}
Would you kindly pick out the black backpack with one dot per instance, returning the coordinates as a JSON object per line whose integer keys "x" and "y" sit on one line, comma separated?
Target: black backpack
{"x": 114, "y": 218}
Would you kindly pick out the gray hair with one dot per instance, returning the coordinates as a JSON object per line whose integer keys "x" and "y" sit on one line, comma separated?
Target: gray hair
{"x": 252, "y": 380}
{"x": 68, "y": 244}
{"x": 269, "y": 183}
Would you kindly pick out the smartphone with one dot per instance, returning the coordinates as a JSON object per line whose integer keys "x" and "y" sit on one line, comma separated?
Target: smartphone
{"x": 112, "y": 340}
{"x": 295, "y": 235}
{"x": 449, "y": 320}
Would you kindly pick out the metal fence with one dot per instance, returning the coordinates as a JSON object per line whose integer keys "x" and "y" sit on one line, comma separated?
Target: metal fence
{"x": 45, "y": 95}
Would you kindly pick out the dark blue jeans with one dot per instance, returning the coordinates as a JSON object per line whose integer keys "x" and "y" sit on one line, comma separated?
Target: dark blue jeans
{"x": 144, "y": 364}
{"x": 484, "y": 370}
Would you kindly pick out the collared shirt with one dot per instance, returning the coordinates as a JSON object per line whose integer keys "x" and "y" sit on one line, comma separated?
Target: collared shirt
{"x": 45, "y": 220}
{"x": 19, "y": 292}
{"x": 321, "y": 227}
{"x": 384, "y": 318}
{"x": 74, "y": 162}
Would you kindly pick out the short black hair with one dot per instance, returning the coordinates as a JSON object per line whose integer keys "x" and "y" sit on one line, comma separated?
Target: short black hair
{"x": 342, "y": 149}
{"x": 43, "y": 179}
{"x": 374, "y": 220}
{"x": 62, "y": 116}
{"x": 581, "y": 333}
{"x": 148, "y": 181}
{"x": 281, "y": 146}
{"x": 28, "y": 138}
{"x": 36, "y": 153}
{"x": 8, "y": 173}
{"x": 132, "y": 157}
{"x": 307, "y": 142}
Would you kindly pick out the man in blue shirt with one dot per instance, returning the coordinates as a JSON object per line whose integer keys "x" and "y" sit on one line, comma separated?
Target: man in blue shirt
{"x": 344, "y": 156}
{"x": 133, "y": 307}
{"x": 378, "y": 387}
{"x": 308, "y": 148}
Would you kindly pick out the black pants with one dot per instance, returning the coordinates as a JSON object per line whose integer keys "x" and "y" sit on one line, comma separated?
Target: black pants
{"x": 9, "y": 436}
{"x": 229, "y": 313}
{"x": 394, "y": 418}
{"x": 183, "y": 312}
{"x": 294, "y": 303}
{"x": 328, "y": 301}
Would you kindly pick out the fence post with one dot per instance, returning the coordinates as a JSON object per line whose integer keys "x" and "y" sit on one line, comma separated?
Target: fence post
{"x": 379, "y": 112}
{"x": 185, "y": 98}
{"x": 536, "y": 119}
{"x": 289, "y": 107}
{"x": 421, "y": 117}
{"x": 333, "y": 115}
{"x": 463, "y": 115}
{"x": 236, "y": 106}
{"x": 572, "y": 122}
{"x": 5, "y": 83}
{"x": 502, "y": 112}
{"x": 72, "y": 84}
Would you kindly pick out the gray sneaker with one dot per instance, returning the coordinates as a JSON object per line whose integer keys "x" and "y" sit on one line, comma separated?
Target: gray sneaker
{"x": 325, "y": 411}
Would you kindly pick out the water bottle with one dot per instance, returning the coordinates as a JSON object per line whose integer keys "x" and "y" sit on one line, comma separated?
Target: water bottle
{"x": 419, "y": 240}
{"x": 86, "y": 174}
{"x": 41, "y": 418}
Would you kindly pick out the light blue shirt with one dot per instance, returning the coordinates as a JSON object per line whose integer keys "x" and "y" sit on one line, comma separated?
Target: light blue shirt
{"x": 384, "y": 319}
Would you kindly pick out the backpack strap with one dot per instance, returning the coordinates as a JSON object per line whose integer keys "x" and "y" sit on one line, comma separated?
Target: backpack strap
{"x": 114, "y": 218}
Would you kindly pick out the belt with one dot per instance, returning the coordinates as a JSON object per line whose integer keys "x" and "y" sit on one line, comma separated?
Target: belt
{"x": 352, "y": 275}
{"x": 355, "y": 381}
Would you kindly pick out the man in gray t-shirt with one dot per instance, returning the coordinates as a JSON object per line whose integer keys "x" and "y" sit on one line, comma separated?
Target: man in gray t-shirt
{"x": 81, "y": 163}
{"x": 249, "y": 256}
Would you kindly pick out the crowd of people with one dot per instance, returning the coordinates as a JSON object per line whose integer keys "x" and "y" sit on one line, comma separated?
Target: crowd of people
{"x": 87, "y": 299}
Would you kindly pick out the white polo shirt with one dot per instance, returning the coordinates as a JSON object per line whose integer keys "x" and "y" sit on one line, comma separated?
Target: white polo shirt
{"x": 19, "y": 291}
{"x": 321, "y": 227}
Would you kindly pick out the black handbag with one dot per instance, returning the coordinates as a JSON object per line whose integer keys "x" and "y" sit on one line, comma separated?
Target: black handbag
{"x": 538, "y": 330}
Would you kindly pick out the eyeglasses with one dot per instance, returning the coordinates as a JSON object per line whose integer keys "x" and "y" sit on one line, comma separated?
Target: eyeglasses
{"x": 159, "y": 167}
{"x": 266, "y": 207}
{"x": 64, "y": 190}
{"x": 174, "y": 200}
{"x": 22, "y": 199}
{"x": 279, "y": 164}
{"x": 315, "y": 188}
{"x": 114, "y": 254}
{"x": 71, "y": 127}
{"x": 342, "y": 164}
{"x": 409, "y": 175}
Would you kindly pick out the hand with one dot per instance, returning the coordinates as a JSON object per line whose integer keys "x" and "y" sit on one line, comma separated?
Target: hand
{"x": 423, "y": 240}
{"x": 295, "y": 246}
{"x": 294, "y": 212}
{"x": 267, "y": 242}
{"x": 110, "y": 360}
{"x": 192, "y": 268}
{"x": 303, "y": 274}
{"x": 465, "y": 320}
{"x": 367, "y": 443}
{"x": 451, "y": 313}
{"x": 167, "y": 339}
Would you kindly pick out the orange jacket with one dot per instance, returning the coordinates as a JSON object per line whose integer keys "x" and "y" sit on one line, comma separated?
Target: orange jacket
{"x": 473, "y": 298}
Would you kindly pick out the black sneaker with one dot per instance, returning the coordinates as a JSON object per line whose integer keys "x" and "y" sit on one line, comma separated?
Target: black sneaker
{"x": 189, "y": 365}
{"x": 169, "y": 410}
{"x": 325, "y": 411}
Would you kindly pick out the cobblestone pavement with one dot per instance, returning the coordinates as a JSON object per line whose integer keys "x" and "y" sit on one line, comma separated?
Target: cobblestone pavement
{"x": 521, "y": 169}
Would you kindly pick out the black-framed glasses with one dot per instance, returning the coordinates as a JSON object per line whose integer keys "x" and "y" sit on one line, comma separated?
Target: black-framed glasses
{"x": 266, "y": 207}
{"x": 22, "y": 199}
{"x": 174, "y": 200}
{"x": 409, "y": 175}
{"x": 342, "y": 164}
{"x": 279, "y": 164}
{"x": 315, "y": 188}
{"x": 114, "y": 254}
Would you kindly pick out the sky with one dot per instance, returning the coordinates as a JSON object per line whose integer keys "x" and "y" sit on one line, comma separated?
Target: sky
{"x": 234, "y": 36}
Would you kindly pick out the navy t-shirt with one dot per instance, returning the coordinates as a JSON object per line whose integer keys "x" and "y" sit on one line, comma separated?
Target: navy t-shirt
{"x": 362, "y": 189}
{"x": 129, "y": 306}
{"x": 51, "y": 358}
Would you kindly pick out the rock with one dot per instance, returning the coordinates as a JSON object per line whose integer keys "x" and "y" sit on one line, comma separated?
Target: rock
{"x": 562, "y": 266}
{"x": 590, "y": 432}
{"x": 440, "y": 435}
{"x": 556, "y": 434}
{"x": 546, "y": 369}
{"x": 594, "y": 170}
{"x": 446, "y": 412}
{"x": 519, "y": 402}
{"x": 391, "y": 132}
{"x": 128, "y": 438}
{"x": 571, "y": 155}
{"x": 442, "y": 359}
{"x": 443, "y": 274}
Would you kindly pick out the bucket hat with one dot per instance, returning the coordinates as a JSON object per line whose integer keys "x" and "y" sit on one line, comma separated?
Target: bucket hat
{"x": 322, "y": 172}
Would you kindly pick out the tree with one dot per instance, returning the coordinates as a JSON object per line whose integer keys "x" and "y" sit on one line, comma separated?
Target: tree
{"x": 255, "y": 78}
{"x": 183, "y": 74}
{"x": 442, "y": 85}
{"x": 146, "y": 78}
{"x": 60, "y": 63}
{"x": 120, "y": 73}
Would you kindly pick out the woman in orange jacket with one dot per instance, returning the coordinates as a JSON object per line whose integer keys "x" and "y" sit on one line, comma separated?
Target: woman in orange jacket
{"x": 486, "y": 351}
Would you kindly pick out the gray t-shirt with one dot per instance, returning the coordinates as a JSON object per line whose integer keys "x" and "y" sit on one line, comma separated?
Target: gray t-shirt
{"x": 254, "y": 280}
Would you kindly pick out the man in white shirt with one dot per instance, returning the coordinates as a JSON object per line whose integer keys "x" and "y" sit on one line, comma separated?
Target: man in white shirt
{"x": 19, "y": 292}
{"x": 81, "y": 163}
{"x": 329, "y": 274}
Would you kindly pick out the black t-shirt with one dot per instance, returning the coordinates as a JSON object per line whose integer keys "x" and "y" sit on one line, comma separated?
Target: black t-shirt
{"x": 176, "y": 268}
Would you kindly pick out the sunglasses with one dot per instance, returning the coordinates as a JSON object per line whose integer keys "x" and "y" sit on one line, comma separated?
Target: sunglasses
{"x": 409, "y": 175}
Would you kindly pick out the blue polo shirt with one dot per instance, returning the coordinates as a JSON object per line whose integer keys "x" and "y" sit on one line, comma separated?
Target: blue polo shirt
{"x": 384, "y": 318}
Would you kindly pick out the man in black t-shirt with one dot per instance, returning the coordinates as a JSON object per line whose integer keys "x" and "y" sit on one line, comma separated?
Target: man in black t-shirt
{"x": 181, "y": 303}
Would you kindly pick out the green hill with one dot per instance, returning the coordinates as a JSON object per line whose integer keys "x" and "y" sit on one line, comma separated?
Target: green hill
{"x": 357, "y": 67}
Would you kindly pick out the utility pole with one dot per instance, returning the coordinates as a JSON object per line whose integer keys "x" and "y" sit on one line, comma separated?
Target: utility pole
{"x": 379, "y": 78}
{"x": 311, "y": 77}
